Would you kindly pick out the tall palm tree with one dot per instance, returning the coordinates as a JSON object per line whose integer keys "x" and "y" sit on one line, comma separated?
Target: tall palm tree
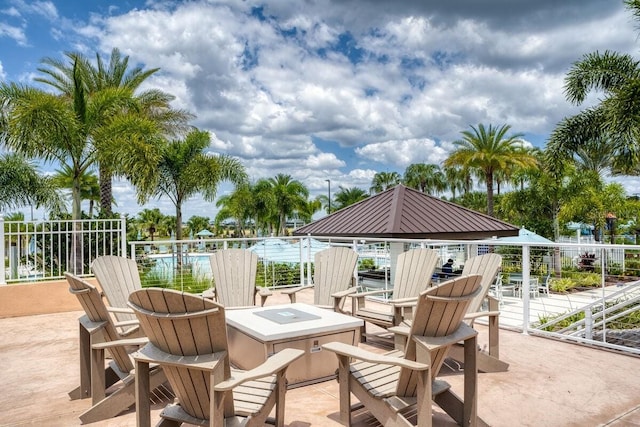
{"x": 348, "y": 196}
{"x": 613, "y": 122}
{"x": 185, "y": 170}
{"x": 116, "y": 76}
{"x": 427, "y": 178}
{"x": 383, "y": 181}
{"x": 21, "y": 185}
{"x": 264, "y": 207}
{"x": 289, "y": 195}
{"x": 487, "y": 150}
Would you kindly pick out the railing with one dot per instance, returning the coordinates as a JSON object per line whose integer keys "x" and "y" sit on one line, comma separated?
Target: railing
{"x": 44, "y": 250}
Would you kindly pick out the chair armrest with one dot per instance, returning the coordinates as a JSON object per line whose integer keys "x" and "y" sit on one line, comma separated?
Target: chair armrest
{"x": 293, "y": 291}
{"x": 204, "y": 362}
{"x": 367, "y": 356}
{"x": 120, "y": 310}
{"x": 209, "y": 294}
{"x": 274, "y": 364}
{"x": 370, "y": 293}
{"x": 432, "y": 343}
{"x": 120, "y": 343}
{"x": 478, "y": 314}
{"x": 404, "y": 302}
{"x": 346, "y": 292}
{"x": 263, "y": 292}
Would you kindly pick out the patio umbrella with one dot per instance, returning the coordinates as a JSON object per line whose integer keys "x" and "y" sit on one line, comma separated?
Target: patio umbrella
{"x": 204, "y": 233}
{"x": 525, "y": 236}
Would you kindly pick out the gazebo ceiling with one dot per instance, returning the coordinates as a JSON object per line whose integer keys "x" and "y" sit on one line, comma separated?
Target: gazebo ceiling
{"x": 402, "y": 212}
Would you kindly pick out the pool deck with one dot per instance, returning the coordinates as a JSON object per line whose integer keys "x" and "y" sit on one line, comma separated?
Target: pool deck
{"x": 549, "y": 382}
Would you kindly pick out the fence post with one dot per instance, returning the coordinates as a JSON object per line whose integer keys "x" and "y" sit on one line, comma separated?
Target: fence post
{"x": 123, "y": 237}
{"x": 524, "y": 287}
{"x": 3, "y": 280}
{"x": 588, "y": 324}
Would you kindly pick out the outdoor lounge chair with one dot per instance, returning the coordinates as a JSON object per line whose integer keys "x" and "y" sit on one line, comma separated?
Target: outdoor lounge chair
{"x": 188, "y": 338}
{"x": 393, "y": 384}
{"x": 333, "y": 278}
{"x": 234, "y": 278}
{"x": 488, "y": 266}
{"x": 97, "y": 334}
{"x": 413, "y": 274}
{"x": 118, "y": 277}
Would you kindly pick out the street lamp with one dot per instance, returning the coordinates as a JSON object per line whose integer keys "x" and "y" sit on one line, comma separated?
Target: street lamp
{"x": 329, "y": 192}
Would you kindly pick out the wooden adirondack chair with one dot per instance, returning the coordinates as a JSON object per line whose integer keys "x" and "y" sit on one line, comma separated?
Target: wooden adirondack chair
{"x": 97, "y": 334}
{"x": 118, "y": 277}
{"x": 488, "y": 265}
{"x": 234, "y": 278}
{"x": 188, "y": 338}
{"x": 392, "y": 384}
{"x": 333, "y": 278}
{"x": 413, "y": 274}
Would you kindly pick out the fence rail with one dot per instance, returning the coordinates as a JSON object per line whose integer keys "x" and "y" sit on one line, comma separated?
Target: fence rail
{"x": 45, "y": 250}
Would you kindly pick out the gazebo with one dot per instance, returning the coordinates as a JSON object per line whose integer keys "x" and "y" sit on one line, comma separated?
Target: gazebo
{"x": 402, "y": 212}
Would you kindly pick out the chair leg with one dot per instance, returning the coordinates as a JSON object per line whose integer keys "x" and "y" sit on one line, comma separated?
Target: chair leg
{"x": 345, "y": 390}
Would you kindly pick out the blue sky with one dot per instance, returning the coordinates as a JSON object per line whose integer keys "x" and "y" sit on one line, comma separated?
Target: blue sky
{"x": 333, "y": 90}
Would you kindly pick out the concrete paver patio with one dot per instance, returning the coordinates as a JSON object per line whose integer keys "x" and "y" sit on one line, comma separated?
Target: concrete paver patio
{"x": 549, "y": 383}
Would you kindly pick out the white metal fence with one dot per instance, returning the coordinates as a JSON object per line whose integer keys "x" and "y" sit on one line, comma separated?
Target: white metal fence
{"x": 604, "y": 304}
{"x": 44, "y": 250}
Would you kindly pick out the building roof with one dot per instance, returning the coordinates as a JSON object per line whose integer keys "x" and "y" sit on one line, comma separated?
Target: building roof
{"x": 402, "y": 212}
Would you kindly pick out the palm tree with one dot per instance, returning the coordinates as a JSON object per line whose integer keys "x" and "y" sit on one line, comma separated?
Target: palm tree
{"x": 196, "y": 224}
{"x": 428, "y": 179}
{"x": 237, "y": 205}
{"x": 21, "y": 185}
{"x": 89, "y": 188}
{"x": 613, "y": 122}
{"x": 348, "y": 196}
{"x": 184, "y": 170}
{"x": 289, "y": 195}
{"x": 306, "y": 212}
{"x": 383, "y": 181}
{"x": 487, "y": 150}
{"x": 117, "y": 78}
{"x": 458, "y": 180}
{"x": 150, "y": 220}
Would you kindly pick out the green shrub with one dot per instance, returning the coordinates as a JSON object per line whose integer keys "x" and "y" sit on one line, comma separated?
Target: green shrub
{"x": 366, "y": 264}
{"x": 561, "y": 285}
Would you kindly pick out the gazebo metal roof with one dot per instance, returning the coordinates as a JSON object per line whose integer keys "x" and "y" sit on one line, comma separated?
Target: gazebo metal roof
{"x": 402, "y": 212}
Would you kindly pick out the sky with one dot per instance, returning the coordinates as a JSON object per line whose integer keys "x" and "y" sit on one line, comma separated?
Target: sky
{"x": 337, "y": 89}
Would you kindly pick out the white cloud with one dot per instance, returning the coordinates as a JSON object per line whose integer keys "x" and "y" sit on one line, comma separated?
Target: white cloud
{"x": 402, "y": 153}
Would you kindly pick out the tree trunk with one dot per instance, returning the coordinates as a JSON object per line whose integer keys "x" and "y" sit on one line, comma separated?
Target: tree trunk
{"x": 76, "y": 216}
{"x": 106, "y": 193}
{"x": 178, "y": 234}
{"x": 490, "y": 193}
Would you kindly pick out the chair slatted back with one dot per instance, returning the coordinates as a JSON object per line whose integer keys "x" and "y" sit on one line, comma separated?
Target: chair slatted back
{"x": 96, "y": 311}
{"x": 413, "y": 273}
{"x": 182, "y": 324}
{"x": 234, "y": 276}
{"x": 486, "y": 265}
{"x": 118, "y": 277}
{"x": 334, "y": 270}
{"x": 439, "y": 312}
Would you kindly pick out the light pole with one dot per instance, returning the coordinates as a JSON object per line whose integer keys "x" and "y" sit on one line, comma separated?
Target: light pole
{"x": 329, "y": 192}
